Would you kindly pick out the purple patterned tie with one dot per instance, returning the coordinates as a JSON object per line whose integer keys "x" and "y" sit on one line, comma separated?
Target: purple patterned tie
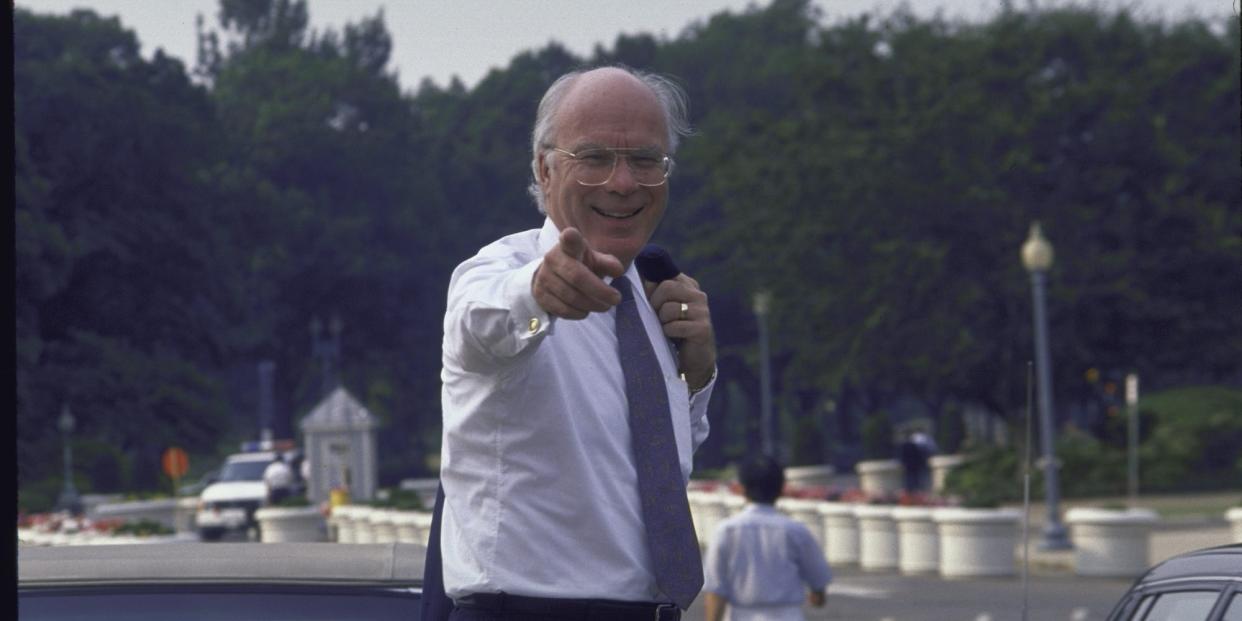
{"x": 671, "y": 541}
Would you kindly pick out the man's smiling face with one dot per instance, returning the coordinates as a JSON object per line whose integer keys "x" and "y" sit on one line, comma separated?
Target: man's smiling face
{"x": 605, "y": 108}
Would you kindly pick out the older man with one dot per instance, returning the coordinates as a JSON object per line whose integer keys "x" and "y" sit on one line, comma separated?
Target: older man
{"x": 574, "y": 392}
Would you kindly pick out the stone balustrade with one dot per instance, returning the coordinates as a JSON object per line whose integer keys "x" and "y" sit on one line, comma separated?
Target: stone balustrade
{"x": 977, "y": 542}
{"x": 877, "y": 537}
{"x": 1234, "y": 516}
{"x": 285, "y": 524}
{"x": 879, "y": 478}
{"x": 1111, "y": 543}
{"x": 919, "y": 543}
{"x": 412, "y": 526}
{"x": 383, "y": 528}
{"x": 806, "y": 512}
{"x": 840, "y": 532}
{"x": 951, "y": 542}
{"x": 160, "y": 510}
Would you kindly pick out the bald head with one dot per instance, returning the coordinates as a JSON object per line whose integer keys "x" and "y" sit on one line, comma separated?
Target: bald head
{"x": 594, "y": 85}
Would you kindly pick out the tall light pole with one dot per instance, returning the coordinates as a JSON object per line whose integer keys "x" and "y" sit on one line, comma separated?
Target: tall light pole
{"x": 69, "y": 500}
{"x": 762, "y": 303}
{"x": 1037, "y": 259}
{"x": 328, "y": 349}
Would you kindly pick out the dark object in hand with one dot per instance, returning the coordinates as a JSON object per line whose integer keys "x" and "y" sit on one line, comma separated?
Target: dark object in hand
{"x": 655, "y": 265}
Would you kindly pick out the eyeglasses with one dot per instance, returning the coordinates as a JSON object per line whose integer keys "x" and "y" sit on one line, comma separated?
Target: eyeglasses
{"x": 596, "y": 165}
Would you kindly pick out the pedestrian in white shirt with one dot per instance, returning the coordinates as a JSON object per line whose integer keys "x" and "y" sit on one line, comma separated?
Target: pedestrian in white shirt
{"x": 761, "y": 564}
{"x": 557, "y": 359}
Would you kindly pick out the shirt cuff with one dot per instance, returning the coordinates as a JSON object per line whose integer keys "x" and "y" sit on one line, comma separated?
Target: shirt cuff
{"x": 705, "y": 389}
{"x": 530, "y": 318}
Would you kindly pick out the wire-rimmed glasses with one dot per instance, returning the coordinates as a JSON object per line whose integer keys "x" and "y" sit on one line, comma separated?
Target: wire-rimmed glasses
{"x": 596, "y": 165}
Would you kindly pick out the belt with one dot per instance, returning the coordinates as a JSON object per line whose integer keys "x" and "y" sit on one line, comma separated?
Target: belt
{"x": 584, "y": 609}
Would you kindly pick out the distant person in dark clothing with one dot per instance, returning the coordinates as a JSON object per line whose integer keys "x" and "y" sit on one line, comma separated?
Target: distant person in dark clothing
{"x": 916, "y": 450}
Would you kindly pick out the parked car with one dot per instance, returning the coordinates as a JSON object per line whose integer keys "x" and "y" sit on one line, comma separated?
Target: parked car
{"x": 1204, "y": 585}
{"x": 200, "y": 484}
{"x": 229, "y": 503}
{"x": 209, "y": 582}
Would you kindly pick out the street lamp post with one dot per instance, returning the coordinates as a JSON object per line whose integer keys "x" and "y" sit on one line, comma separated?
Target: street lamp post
{"x": 69, "y": 500}
{"x": 762, "y": 303}
{"x": 1037, "y": 259}
{"x": 328, "y": 350}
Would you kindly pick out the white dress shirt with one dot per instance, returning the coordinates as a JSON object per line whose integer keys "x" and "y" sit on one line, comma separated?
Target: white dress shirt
{"x": 538, "y": 473}
{"x": 762, "y": 561}
{"x": 278, "y": 475}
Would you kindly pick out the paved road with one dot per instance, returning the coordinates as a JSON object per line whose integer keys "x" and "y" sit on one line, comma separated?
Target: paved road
{"x": 1055, "y": 593}
{"x": 1053, "y": 596}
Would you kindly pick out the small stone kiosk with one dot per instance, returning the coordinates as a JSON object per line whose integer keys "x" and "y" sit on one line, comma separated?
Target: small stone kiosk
{"x": 339, "y": 436}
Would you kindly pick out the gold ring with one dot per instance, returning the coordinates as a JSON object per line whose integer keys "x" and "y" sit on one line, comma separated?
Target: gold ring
{"x": 685, "y": 310}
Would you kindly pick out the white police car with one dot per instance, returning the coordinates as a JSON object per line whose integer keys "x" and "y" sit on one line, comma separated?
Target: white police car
{"x": 229, "y": 504}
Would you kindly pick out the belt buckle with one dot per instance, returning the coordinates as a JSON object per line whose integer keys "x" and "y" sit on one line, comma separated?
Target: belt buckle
{"x": 670, "y": 607}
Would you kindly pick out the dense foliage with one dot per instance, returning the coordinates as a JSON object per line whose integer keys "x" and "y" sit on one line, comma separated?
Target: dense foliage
{"x": 1187, "y": 442}
{"x": 174, "y": 228}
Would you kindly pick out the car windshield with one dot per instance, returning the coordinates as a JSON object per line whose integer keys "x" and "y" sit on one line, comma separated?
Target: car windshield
{"x": 243, "y": 471}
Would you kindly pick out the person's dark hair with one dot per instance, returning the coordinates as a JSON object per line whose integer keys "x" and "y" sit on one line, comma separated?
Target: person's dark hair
{"x": 762, "y": 479}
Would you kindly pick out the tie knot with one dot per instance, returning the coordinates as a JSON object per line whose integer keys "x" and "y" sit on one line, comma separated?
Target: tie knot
{"x": 623, "y": 285}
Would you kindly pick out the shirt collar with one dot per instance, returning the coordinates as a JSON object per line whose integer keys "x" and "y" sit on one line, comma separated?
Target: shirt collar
{"x": 548, "y": 236}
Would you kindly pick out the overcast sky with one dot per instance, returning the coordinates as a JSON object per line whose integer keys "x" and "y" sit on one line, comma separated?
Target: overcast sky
{"x": 466, "y": 38}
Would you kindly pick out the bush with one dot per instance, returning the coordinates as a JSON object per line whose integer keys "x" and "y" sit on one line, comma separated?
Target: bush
{"x": 39, "y": 496}
{"x": 806, "y": 441}
{"x": 1190, "y": 444}
{"x": 727, "y": 473}
{"x": 110, "y": 469}
{"x": 950, "y": 430}
{"x": 1088, "y": 467}
{"x": 877, "y": 436}
{"x": 295, "y": 501}
{"x": 1194, "y": 441}
{"x": 143, "y": 528}
{"x": 990, "y": 476}
{"x": 400, "y": 499}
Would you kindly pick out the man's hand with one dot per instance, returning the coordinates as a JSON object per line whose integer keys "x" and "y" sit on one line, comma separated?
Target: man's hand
{"x": 714, "y": 606}
{"x": 696, "y": 350}
{"x": 570, "y": 283}
{"x": 817, "y": 598}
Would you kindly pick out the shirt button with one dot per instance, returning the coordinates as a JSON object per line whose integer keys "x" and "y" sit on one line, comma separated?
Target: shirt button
{"x": 534, "y": 325}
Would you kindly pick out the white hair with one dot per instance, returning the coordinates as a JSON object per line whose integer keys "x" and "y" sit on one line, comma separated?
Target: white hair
{"x": 672, "y": 100}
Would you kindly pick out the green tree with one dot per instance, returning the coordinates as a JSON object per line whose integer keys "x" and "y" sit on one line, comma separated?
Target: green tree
{"x": 117, "y": 302}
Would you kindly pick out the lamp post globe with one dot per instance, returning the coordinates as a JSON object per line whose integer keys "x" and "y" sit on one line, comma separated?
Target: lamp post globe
{"x": 66, "y": 422}
{"x": 1037, "y": 253}
{"x": 1037, "y": 258}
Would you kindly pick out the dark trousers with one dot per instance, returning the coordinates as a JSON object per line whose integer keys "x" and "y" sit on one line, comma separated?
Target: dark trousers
{"x": 474, "y": 614}
{"x": 436, "y": 605}
{"x": 277, "y": 494}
